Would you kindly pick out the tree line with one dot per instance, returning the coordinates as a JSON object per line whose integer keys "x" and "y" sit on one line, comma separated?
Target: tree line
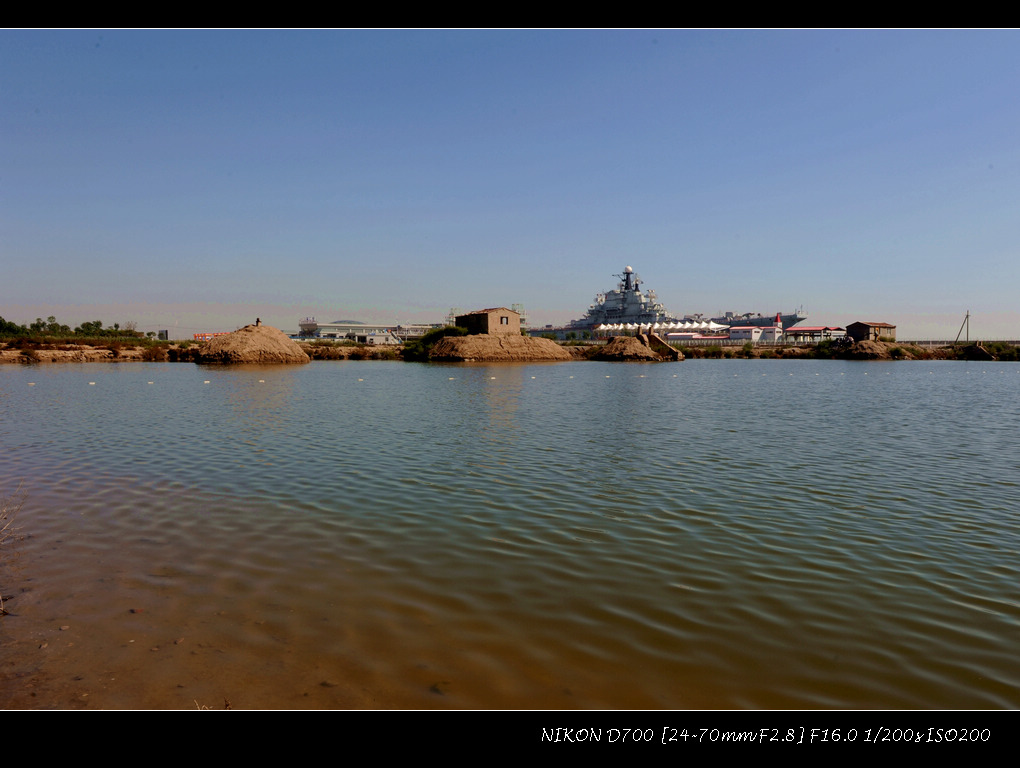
{"x": 50, "y": 327}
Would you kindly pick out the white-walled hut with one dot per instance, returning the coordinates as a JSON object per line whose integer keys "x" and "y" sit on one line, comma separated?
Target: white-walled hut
{"x": 745, "y": 333}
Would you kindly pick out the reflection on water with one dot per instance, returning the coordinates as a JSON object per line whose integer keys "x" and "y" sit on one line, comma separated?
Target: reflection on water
{"x": 714, "y": 534}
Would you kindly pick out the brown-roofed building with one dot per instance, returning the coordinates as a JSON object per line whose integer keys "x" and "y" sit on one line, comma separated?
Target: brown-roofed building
{"x": 861, "y": 331}
{"x": 496, "y": 320}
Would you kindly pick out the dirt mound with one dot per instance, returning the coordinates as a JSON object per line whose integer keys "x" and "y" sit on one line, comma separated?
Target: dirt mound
{"x": 878, "y": 350}
{"x": 625, "y": 348}
{"x": 252, "y": 344}
{"x": 484, "y": 347}
{"x": 867, "y": 350}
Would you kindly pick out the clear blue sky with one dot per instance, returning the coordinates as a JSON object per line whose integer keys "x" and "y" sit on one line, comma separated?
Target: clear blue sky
{"x": 196, "y": 180}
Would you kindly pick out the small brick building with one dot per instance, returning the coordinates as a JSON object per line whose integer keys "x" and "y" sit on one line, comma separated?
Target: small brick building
{"x": 495, "y": 320}
{"x": 861, "y": 331}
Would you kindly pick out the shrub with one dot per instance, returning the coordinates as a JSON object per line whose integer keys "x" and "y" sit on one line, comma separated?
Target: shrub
{"x": 827, "y": 349}
{"x": 1003, "y": 351}
{"x": 419, "y": 350}
{"x": 154, "y": 353}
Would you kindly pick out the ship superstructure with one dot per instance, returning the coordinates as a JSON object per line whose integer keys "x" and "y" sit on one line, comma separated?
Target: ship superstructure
{"x": 627, "y": 304}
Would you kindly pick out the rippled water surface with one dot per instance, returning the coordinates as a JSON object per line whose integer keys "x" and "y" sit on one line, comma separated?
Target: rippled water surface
{"x": 709, "y": 534}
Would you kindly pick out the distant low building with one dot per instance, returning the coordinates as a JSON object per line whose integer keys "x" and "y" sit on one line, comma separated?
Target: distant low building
{"x": 493, "y": 321}
{"x": 209, "y": 336}
{"x": 861, "y": 331}
{"x": 351, "y": 330}
{"x": 770, "y": 334}
{"x": 745, "y": 333}
{"x": 812, "y": 334}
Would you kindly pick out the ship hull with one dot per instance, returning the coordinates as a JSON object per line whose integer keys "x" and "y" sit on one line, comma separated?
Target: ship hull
{"x": 761, "y": 321}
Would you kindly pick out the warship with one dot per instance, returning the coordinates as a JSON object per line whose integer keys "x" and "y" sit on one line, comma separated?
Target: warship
{"x": 628, "y": 304}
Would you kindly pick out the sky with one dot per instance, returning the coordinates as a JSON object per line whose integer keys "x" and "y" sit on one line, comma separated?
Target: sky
{"x": 195, "y": 180}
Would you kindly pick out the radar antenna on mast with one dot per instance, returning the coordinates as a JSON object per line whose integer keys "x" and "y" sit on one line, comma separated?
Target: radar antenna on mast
{"x": 629, "y": 279}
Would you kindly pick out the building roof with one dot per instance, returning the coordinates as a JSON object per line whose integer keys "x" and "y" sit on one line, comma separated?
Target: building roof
{"x": 487, "y": 311}
{"x": 874, "y": 325}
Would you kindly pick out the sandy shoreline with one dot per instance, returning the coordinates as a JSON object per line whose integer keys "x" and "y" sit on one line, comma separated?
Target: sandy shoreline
{"x": 72, "y": 354}
{"x": 173, "y": 353}
{"x": 16, "y": 353}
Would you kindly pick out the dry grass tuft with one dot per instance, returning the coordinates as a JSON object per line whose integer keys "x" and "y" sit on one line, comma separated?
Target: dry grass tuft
{"x": 9, "y": 508}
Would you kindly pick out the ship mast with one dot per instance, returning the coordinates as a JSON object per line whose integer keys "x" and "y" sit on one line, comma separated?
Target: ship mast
{"x": 630, "y": 279}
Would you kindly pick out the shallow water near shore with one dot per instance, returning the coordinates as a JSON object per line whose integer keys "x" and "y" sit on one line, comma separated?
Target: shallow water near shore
{"x": 758, "y": 534}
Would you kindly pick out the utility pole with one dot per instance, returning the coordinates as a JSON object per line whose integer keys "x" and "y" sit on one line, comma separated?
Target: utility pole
{"x": 966, "y": 322}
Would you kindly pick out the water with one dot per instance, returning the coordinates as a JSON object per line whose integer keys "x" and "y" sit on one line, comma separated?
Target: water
{"x": 710, "y": 534}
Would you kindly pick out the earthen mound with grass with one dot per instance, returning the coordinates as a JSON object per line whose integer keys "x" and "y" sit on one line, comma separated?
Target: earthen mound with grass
{"x": 485, "y": 347}
{"x": 252, "y": 344}
{"x": 625, "y": 349}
